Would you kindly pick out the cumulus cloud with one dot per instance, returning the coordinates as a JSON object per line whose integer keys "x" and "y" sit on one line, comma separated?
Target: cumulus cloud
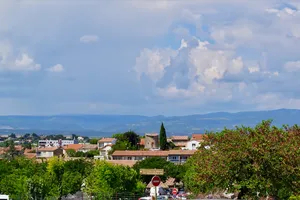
{"x": 56, "y": 68}
{"x": 10, "y": 62}
{"x": 89, "y": 39}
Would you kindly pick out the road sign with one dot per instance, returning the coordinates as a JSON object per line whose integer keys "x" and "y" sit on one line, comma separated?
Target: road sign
{"x": 152, "y": 171}
{"x": 174, "y": 191}
{"x": 155, "y": 181}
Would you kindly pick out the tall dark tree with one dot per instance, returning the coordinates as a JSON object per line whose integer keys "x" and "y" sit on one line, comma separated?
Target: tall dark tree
{"x": 163, "y": 138}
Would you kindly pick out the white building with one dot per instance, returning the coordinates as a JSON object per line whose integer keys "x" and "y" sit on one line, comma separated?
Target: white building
{"x": 56, "y": 143}
{"x": 192, "y": 145}
{"x": 104, "y": 146}
{"x": 106, "y": 141}
{"x": 48, "y": 152}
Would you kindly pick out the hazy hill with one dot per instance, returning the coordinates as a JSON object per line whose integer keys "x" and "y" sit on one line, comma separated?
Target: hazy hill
{"x": 104, "y": 124}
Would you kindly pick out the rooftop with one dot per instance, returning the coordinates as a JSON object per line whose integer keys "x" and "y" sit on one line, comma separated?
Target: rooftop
{"x": 106, "y": 140}
{"x": 140, "y": 153}
{"x": 73, "y": 146}
{"x": 184, "y": 137}
{"x": 47, "y": 148}
{"x": 128, "y": 163}
{"x": 151, "y": 134}
{"x": 198, "y": 136}
{"x": 153, "y": 153}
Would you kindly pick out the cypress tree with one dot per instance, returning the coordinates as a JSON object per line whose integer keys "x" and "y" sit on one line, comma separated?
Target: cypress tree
{"x": 163, "y": 137}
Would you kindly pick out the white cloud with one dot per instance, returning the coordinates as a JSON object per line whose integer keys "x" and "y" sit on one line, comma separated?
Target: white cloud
{"x": 191, "y": 70}
{"x": 292, "y": 66}
{"x": 253, "y": 69}
{"x": 89, "y": 39}
{"x": 56, "y": 68}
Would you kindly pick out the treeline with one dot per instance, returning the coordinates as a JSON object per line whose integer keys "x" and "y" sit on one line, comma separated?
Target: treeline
{"x": 27, "y": 179}
{"x": 253, "y": 163}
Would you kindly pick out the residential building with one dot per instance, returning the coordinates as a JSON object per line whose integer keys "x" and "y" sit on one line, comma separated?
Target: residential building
{"x": 179, "y": 156}
{"x": 48, "y": 152}
{"x": 138, "y": 155}
{"x": 104, "y": 151}
{"x": 106, "y": 141}
{"x": 88, "y": 147}
{"x": 175, "y": 156}
{"x": 151, "y": 141}
{"x": 56, "y": 143}
{"x": 192, "y": 145}
{"x": 180, "y": 141}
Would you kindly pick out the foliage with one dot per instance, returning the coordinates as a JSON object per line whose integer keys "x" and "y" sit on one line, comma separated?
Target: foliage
{"x": 23, "y": 178}
{"x": 109, "y": 179}
{"x": 126, "y": 141}
{"x": 264, "y": 159}
{"x": 163, "y": 138}
{"x": 170, "y": 169}
{"x": 89, "y": 154}
{"x": 93, "y": 141}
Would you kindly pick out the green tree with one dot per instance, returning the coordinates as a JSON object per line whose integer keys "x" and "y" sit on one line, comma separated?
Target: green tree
{"x": 163, "y": 138}
{"x": 107, "y": 179}
{"x": 263, "y": 159}
{"x": 93, "y": 141}
{"x": 55, "y": 168}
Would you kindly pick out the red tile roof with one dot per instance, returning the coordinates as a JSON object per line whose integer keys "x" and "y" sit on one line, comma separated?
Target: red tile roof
{"x": 184, "y": 137}
{"x": 106, "y": 140}
{"x": 180, "y": 144}
{"x": 47, "y": 149}
{"x": 73, "y": 146}
{"x": 128, "y": 163}
{"x": 182, "y": 152}
{"x": 141, "y": 153}
{"x": 198, "y": 136}
{"x": 154, "y": 153}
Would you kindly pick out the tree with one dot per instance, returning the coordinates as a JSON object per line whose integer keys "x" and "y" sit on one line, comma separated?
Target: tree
{"x": 93, "y": 141}
{"x": 107, "y": 179}
{"x": 163, "y": 138}
{"x": 263, "y": 159}
{"x": 126, "y": 141}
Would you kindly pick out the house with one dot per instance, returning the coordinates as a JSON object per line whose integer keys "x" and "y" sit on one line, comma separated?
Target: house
{"x": 138, "y": 155}
{"x": 180, "y": 141}
{"x": 56, "y": 143}
{"x": 88, "y": 147}
{"x": 180, "y": 156}
{"x": 48, "y": 152}
{"x": 151, "y": 141}
{"x": 192, "y": 145}
{"x": 175, "y": 156}
{"x": 104, "y": 151}
{"x": 106, "y": 141}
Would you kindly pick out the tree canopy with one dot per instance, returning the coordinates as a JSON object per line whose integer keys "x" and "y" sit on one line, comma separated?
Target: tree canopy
{"x": 264, "y": 160}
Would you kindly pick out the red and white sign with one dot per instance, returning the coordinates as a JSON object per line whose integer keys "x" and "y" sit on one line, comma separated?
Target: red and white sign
{"x": 174, "y": 191}
{"x": 155, "y": 181}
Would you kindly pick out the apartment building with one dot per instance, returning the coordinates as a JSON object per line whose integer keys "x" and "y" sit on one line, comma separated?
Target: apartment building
{"x": 175, "y": 156}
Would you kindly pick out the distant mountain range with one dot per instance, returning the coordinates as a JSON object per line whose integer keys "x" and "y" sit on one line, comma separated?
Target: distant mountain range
{"x": 103, "y": 125}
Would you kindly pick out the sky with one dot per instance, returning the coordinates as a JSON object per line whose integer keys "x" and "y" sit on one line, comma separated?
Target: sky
{"x": 166, "y": 57}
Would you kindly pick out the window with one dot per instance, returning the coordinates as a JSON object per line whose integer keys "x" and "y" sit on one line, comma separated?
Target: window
{"x": 129, "y": 158}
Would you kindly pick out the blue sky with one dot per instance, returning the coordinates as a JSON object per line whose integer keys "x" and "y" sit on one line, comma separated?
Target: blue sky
{"x": 148, "y": 57}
